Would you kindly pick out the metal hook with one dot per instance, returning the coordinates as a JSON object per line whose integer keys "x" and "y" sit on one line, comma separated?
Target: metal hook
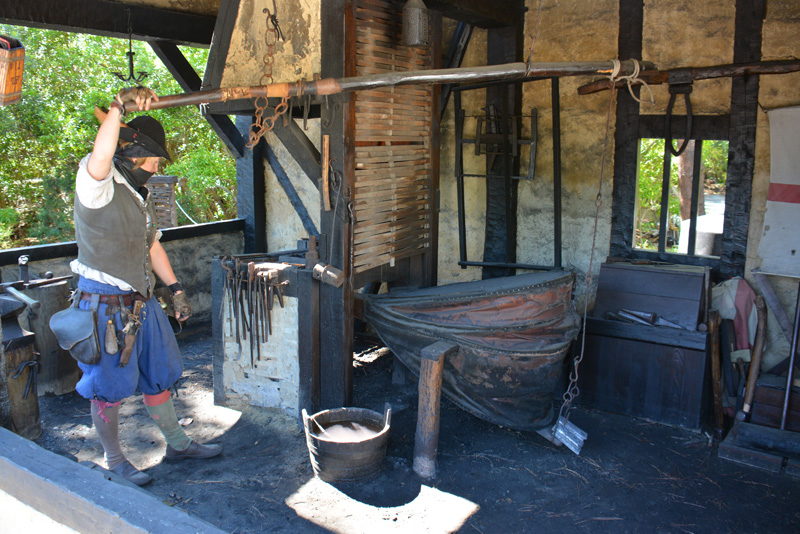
{"x": 130, "y": 53}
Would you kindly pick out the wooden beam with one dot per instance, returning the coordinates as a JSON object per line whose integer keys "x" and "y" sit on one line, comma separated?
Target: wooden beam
{"x": 110, "y": 19}
{"x": 482, "y": 13}
{"x": 504, "y": 45}
{"x": 458, "y": 47}
{"x": 658, "y": 77}
{"x": 187, "y": 78}
{"x": 336, "y": 303}
{"x": 291, "y": 193}
{"x": 250, "y": 192}
{"x": 749, "y": 21}
{"x": 220, "y": 42}
{"x": 626, "y": 135}
{"x": 301, "y": 148}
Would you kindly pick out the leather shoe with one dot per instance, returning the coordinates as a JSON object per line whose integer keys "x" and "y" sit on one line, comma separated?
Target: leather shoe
{"x": 131, "y": 474}
{"x": 194, "y": 450}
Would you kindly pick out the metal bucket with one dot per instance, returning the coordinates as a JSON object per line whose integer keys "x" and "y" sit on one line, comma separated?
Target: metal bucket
{"x": 347, "y": 443}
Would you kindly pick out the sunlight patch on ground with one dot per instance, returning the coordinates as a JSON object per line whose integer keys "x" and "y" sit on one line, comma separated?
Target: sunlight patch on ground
{"x": 432, "y": 511}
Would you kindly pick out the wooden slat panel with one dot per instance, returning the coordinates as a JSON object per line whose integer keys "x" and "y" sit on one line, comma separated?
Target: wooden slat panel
{"x": 378, "y": 233}
{"x": 392, "y": 200}
{"x": 383, "y": 247}
{"x": 398, "y": 150}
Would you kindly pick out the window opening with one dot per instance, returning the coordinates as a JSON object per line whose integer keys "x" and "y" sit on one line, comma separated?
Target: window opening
{"x": 680, "y": 200}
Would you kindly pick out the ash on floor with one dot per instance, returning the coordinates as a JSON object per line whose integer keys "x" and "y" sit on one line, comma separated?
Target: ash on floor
{"x": 632, "y": 475}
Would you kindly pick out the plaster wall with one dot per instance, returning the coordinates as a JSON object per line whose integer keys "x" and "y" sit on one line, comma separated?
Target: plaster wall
{"x": 779, "y": 41}
{"x": 675, "y": 34}
{"x": 570, "y": 30}
{"x": 683, "y": 33}
{"x": 190, "y": 259}
{"x": 284, "y": 227}
{"x": 474, "y": 188}
{"x": 298, "y": 57}
{"x": 274, "y": 382}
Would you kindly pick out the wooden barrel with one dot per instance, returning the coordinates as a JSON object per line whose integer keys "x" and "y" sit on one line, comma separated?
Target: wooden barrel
{"x": 19, "y": 404}
{"x": 58, "y": 372}
{"x": 342, "y": 457}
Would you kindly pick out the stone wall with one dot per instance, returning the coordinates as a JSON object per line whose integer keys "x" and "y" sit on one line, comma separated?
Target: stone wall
{"x": 190, "y": 259}
{"x": 274, "y": 380}
{"x": 779, "y": 41}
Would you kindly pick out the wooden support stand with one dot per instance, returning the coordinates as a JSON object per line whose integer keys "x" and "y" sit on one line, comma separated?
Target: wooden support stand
{"x": 426, "y": 441}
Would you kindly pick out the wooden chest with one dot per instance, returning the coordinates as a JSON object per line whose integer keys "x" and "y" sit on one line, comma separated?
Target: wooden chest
{"x": 655, "y": 372}
{"x": 12, "y": 62}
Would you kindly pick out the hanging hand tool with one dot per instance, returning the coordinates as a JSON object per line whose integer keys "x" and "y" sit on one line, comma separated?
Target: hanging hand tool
{"x": 250, "y": 317}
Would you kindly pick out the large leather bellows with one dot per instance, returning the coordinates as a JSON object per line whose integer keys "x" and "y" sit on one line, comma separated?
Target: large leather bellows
{"x": 75, "y": 330}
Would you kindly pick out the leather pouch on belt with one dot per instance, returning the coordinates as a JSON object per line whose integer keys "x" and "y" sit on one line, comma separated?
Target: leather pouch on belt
{"x": 130, "y": 330}
{"x": 76, "y": 332}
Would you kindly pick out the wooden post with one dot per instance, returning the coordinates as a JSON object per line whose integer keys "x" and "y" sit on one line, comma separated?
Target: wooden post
{"x": 426, "y": 441}
{"x": 716, "y": 373}
{"x": 756, "y": 354}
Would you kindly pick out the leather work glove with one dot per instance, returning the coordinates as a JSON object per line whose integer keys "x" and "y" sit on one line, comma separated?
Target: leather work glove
{"x": 183, "y": 310}
{"x": 135, "y": 98}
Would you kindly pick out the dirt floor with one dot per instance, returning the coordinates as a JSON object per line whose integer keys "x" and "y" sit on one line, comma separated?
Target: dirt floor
{"x": 632, "y": 476}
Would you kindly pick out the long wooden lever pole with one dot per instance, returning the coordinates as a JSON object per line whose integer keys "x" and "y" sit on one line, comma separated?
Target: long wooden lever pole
{"x": 657, "y": 77}
{"x": 332, "y": 86}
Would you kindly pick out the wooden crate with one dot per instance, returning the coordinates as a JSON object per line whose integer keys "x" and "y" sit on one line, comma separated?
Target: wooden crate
{"x": 655, "y": 372}
{"x": 162, "y": 189}
{"x": 12, "y": 63}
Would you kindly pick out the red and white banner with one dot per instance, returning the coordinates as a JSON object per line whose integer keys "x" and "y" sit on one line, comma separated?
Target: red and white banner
{"x": 780, "y": 243}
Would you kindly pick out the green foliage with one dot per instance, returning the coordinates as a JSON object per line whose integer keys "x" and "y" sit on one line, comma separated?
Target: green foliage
{"x": 8, "y": 221}
{"x": 206, "y": 185}
{"x": 649, "y": 187}
{"x": 44, "y": 136}
{"x": 715, "y": 165}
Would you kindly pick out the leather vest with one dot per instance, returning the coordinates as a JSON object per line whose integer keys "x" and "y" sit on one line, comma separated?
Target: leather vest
{"x": 116, "y": 238}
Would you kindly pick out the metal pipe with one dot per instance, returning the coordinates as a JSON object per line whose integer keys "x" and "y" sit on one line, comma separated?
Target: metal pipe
{"x": 555, "y": 104}
{"x": 507, "y": 265}
{"x": 663, "y": 224}
{"x": 462, "y": 224}
{"x": 332, "y": 86}
{"x": 693, "y": 209}
{"x": 792, "y": 357}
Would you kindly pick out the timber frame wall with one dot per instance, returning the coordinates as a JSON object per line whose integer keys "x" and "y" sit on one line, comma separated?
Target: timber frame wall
{"x": 739, "y": 127}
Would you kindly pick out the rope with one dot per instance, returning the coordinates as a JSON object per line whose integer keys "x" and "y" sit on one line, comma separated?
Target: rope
{"x": 184, "y": 211}
{"x": 630, "y": 79}
{"x": 535, "y": 31}
{"x": 572, "y": 390}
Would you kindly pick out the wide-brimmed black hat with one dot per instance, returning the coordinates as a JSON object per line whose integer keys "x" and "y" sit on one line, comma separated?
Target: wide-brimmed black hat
{"x": 147, "y": 133}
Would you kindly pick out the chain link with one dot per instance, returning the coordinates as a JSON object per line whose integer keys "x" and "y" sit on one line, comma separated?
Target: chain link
{"x": 264, "y": 120}
{"x": 573, "y": 390}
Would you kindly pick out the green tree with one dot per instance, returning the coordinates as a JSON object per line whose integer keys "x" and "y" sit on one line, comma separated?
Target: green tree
{"x": 648, "y": 190}
{"x": 44, "y": 136}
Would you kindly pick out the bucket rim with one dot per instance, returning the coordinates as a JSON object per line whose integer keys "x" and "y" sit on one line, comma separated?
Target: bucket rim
{"x": 307, "y": 419}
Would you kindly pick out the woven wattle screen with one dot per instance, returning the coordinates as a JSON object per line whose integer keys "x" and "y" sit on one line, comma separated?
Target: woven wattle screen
{"x": 392, "y": 196}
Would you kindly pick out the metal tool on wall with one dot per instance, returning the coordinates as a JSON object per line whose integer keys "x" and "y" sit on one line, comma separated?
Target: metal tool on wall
{"x": 251, "y": 288}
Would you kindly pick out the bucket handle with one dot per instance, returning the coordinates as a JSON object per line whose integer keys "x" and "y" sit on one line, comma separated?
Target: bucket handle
{"x": 306, "y": 419}
{"x": 387, "y": 415}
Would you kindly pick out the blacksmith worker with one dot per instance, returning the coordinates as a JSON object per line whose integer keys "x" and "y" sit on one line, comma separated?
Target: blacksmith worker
{"x": 118, "y": 252}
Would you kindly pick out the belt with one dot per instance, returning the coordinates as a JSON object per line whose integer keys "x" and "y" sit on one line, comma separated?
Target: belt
{"x": 127, "y": 298}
